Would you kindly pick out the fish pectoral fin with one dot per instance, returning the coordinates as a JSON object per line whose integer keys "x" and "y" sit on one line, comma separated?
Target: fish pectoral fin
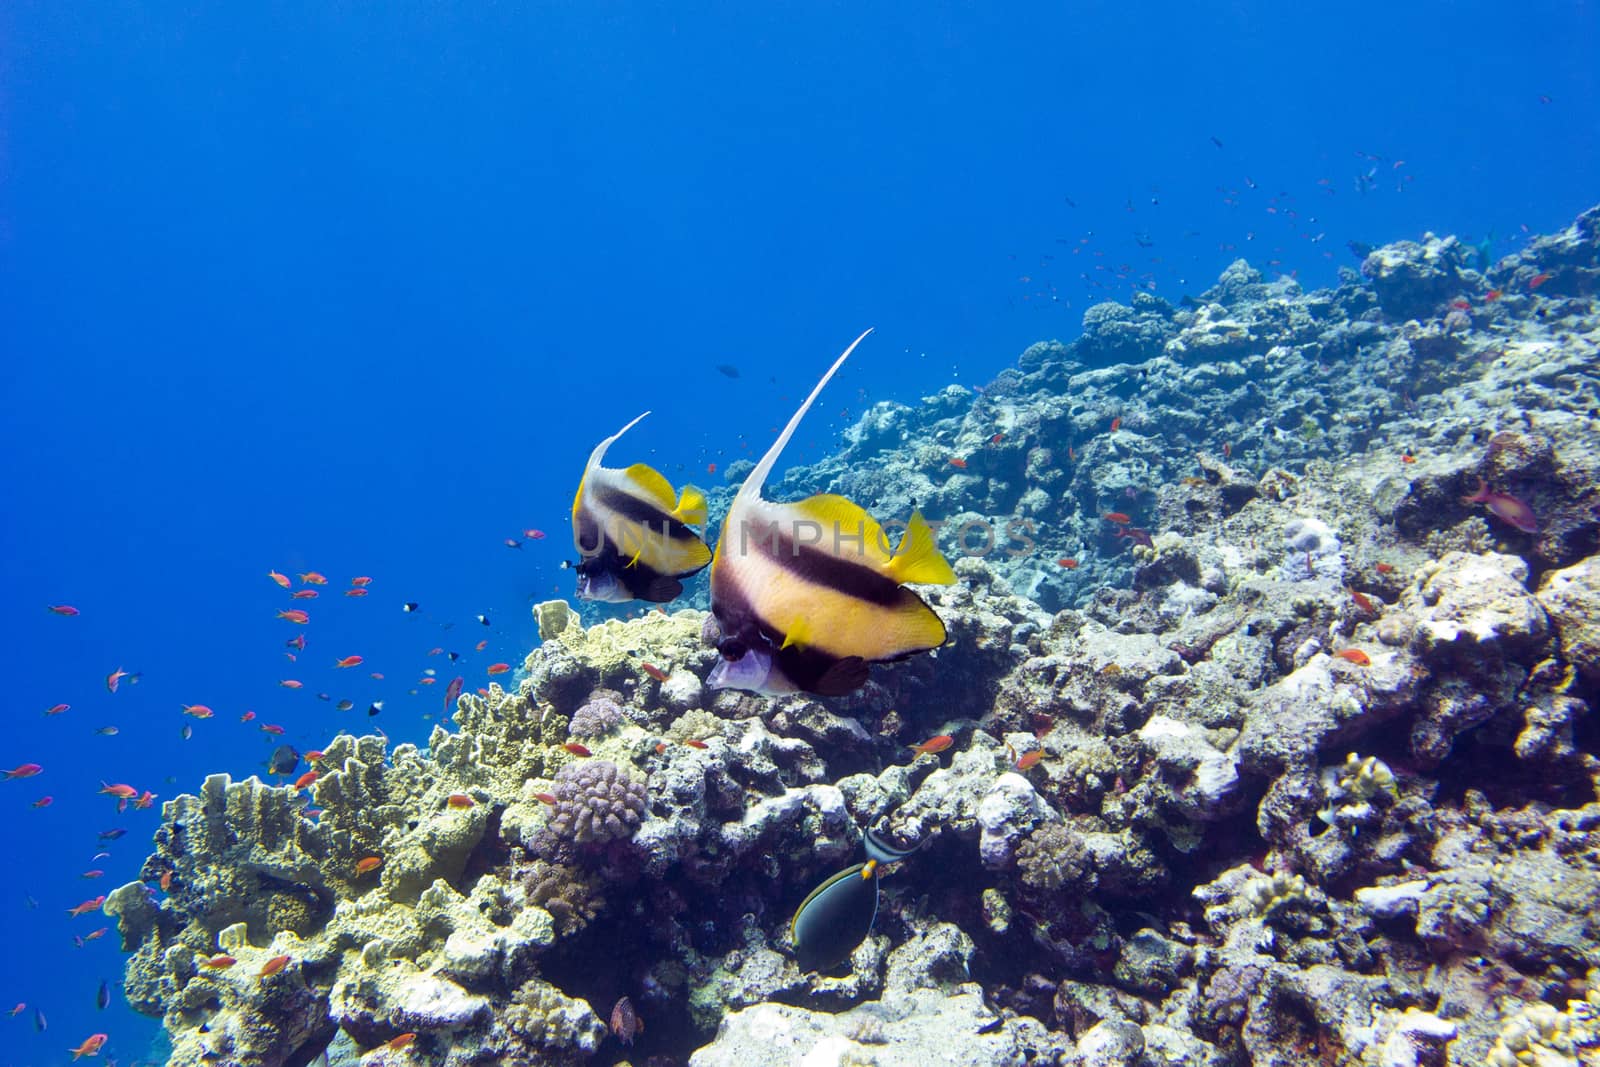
{"x": 691, "y": 509}
{"x": 633, "y": 561}
{"x": 917, "y": 558}
{"x": 798, "y": 636}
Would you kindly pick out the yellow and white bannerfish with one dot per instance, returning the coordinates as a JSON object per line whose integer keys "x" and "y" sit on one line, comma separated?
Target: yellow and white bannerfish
{"x": 632, "y": 531}
{"x": 808, "y": 594}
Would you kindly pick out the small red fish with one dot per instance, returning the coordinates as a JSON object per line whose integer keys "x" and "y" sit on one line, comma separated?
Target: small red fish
{"x": 997, "y": 438}
{"x": 1119, "y": 517}
{"x": 96, "y": 934}
{"x": 653, "y": 671}
{"x": 92, "y": 904}
{"x": 290, "y": 683}
{"x": 576, "y": 749}
{"x": 303, "y": 594}
{"x": 120, "y": 790}
{"x": 661, "y": 748}
{"x": 1407, "y": 457}
{"x": 165, "y": 882}
{"x": 694, "y": 742}
{"x": 57, "y": 709}
{"x": 306, "y": 779}
{"x": 273, "y": 966}
{"x": 297, "y": 642}
{"x": 1068, "y": 562}
{"x": 281, "y": 579}
{"x": 1116, "y": 424}
{"x": 1383, "y": 568}
{"x": 355, "y": 592}
{"x": 1505, "y": 507}
{"x": 400, "y": 1041}
{"x": 144, "y": 800}
{"x": 460, "y": 800}
{"x": 247, "y": 716}
{"x": 427, "y": 681}
{"x": 312, "y": 578}
{"x": 549, "y": 798}
{"x": 958, "y": 463}
{"x": 361, "y": 582}
{"x": 625, "y": 1022}
{"x": 199, "y": 711}
{"x": 96, "y": 873}
{"x": 91, "y": 1046}
{"x": 1227, "y": 450}
{"x": 114, "y": 679}
{"x": 933, "y": 745}
{"x": 1363, "y": 602}
{"x": 1538, "y": 280}
{"x": 499, "y": 668}
{"x": 64, "y": 609}
{"x": 481, "y": 645}
{"x": 220, "y": 962}
{"x": 25, "y": 770}
{"x": 711, "y": 468}
{"x": 1028, "y": 759}
{"x": 349, "y": 661}
{"x": 1354, "y": 655}
{"x": 314, "y": 755}
{"x": 44, "y": 802}
{"x": 452, "y": 692}
{"x": 295, "y": 615}
{"x": 368, "y": 864}
{"x": 18, "y": 1010}
{"x": 272, "y": 728}
{"x": 537, "y": 535}
{"x": 1491, "y": 296}
{"x": 1461, "y": 305}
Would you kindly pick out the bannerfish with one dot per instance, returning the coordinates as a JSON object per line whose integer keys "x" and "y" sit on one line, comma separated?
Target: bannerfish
{"x": 633, "y": 532}
{"x": 809, "y": 594}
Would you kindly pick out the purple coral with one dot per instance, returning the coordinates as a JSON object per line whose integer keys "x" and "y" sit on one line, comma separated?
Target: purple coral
{"x": 595, "y": 803}
{"x": 595, "y": 719}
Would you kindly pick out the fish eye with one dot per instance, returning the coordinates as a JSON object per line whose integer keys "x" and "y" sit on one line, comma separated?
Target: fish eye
{"x": 732, "y": 648}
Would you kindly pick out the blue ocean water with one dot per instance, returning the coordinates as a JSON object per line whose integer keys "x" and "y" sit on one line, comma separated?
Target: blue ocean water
{"x": 355, "y": 289}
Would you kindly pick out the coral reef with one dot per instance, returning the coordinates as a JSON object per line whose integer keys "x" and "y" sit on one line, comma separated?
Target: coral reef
{"x": 1293, "y": 764}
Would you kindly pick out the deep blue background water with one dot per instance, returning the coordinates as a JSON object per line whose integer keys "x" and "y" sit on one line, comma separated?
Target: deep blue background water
{"x": 357, "y": 287}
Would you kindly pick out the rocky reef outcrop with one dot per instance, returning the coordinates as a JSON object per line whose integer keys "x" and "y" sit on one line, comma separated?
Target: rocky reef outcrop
{"x": 1272, "y": 742}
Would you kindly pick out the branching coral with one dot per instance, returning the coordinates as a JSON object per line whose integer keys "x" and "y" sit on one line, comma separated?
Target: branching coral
{"x": 595, "y": 803}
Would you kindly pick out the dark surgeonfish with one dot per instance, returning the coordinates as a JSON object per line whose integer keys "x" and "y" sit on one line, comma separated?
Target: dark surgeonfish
{"x": 838, "y": 915}
{"x": 632, "y": 531}
{"x": 808, "y": 594}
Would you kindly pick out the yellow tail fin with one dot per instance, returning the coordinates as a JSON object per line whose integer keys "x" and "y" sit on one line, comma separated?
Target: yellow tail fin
{"x": 691, "y": 509}
{"x": 917, "y": 559}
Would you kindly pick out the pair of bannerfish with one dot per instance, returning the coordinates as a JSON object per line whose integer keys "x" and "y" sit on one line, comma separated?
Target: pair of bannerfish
{"x": 807, "y": 595}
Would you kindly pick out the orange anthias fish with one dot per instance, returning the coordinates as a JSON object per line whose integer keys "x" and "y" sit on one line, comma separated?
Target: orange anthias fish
{"x": 1491, "y": 296}
{"x": 90, "y": 1047}
{"x": 576, "y": 749}
{"x": 306, "y": 779}
{"x": 361, "y": 582}
{"x": 295, "y": 615}
{"x": 114, "y": 679}
{"x": 314, "y": 755}
{"x": 313, "y": 578}
{"x": 1354, "y": 655}
{"x": 400, "y": 1041}
{"x": 349, "y": 661}
{"x": 1118, "y": 517}
{"x": 57, "y": 709}
{"x": 1538, "y": 280}
{"x": 481, "y": 645}
{"x": 272, "y": 728}
{"x": 25, "y": 770}
{"x": 549, "y": 798}
{"x": 460, "y": 800}
{"x": 958, "y": 463}
{"x": 355, "y": 592}
{"x": 303, "y": 594}
{"x": 368, "y": 864}
{"x": 64, "y": 609}
{"x": 290, "y": 683}
{"x": 1363, "y": 602}
{"x": 933, "y": 745}
{"x": 121, "y": 790}
{"x": 1383, "y": 568}
{"x": 281, "y": 579}
{"x": 1068, "y": 562}
{"x": 199, "y": 711}
{"x": 92, "y": 904}
{"x": 1116, "y": 424}
{"x": 273, "y": 966}
{"x": 1028, "y": 759}
{"x": 653, "y": 671}
{"x": 499, "y": 668}
{"x": 219, "y": 962}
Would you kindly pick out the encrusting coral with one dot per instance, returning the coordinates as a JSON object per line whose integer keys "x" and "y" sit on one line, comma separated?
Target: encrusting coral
{"x": 1290, "y": 761}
